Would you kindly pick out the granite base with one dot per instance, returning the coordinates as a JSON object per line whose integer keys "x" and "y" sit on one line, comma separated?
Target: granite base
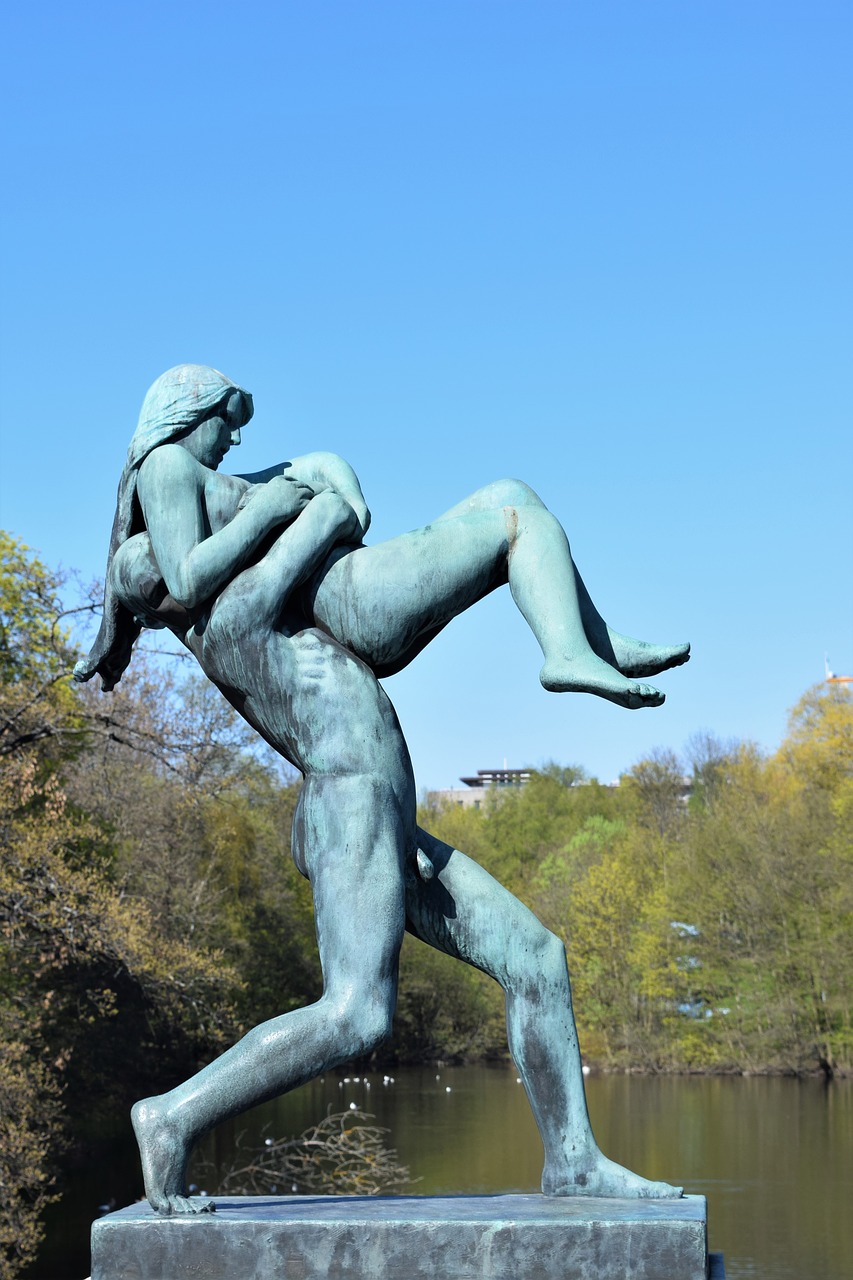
{"x": 512, "y": 1237}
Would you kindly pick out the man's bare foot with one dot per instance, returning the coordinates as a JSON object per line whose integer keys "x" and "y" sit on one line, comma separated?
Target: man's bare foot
{"x": 595, "y": 1175}
{"x": 164, "y": 1151}
{"x": 638, "y": 659}
{"x": 590, "y": 674}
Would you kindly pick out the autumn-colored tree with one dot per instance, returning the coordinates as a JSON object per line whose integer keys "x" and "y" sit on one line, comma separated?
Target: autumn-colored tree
{"x": 37, "y": 706}
{"x": 91, "y": 1001}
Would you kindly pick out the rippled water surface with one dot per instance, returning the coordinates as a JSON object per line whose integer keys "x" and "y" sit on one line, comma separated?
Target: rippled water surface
{"x": 773, "y": 1156}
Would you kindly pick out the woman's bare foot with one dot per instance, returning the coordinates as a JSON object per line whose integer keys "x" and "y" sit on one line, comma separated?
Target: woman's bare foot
{"x": 164, "y": 1151}
{"x": 590, "y": 674}
{"x": 639, "y": 659}
{"x": 595, "y": 1175}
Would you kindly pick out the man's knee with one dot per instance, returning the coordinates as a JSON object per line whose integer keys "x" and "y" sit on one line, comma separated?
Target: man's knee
{"x": 540, "y": 955}
{"x": 552, "y": 953}
{"x": 365, "y": 1019}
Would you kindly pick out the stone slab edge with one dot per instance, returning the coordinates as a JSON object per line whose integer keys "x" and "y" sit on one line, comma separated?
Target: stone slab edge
{"x": 716, "y": 1267}
{"x": 512, "y": 1237}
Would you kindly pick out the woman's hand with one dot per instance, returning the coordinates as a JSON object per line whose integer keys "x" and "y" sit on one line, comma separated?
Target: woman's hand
{"x": 282, "y": 497}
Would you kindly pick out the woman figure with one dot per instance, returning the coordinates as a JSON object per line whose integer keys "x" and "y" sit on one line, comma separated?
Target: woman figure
{"x": 264, "y": 579}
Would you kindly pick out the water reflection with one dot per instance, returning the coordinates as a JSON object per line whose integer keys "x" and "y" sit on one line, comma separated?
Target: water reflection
{"x": 774, "y": 1157}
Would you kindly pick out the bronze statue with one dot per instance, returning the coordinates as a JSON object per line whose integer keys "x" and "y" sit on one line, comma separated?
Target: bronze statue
{"x": 267, "y": 582}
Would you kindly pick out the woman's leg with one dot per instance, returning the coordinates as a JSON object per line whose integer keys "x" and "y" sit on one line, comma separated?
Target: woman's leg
{"x": 636, "y": 658}
{"x": 350, "y": 839}
{"x": 463, "y": 911}
{"x": 385, "y": 602}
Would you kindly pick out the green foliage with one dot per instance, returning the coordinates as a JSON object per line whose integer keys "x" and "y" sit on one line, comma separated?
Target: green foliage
{"x": 28, "y": 1118}
{"x": 96, "y": 1003}
{"x": 37, "y": 705}
{"x": 265, "y": 916}
{"x": 31, "y": 643}
{"x": 519, "y": 828}
{"x": 555, "y": 886}
{"x": 819, "y": 745}
{"x": 445, "y": 1010}
{"x": 714, "y": 932}
{"x": 84, "y": 954}
{"x": 768, "y": 866}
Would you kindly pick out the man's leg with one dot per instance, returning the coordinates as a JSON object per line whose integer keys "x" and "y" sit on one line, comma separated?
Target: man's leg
{"x": 350, "y": 842}
{"x": 465, "y": 912}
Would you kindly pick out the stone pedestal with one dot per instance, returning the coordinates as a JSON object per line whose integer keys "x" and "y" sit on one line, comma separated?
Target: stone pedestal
{"x": 513, "y": 1237}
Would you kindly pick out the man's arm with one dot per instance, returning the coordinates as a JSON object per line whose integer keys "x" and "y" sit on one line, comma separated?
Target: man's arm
{"x": 196, "y": 566}
{"x": 322, "y": 471}
{"x": 327, "y": 521}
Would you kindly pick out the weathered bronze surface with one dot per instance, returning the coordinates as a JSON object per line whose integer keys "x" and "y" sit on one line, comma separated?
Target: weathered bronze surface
{"x": 266, "y": 580}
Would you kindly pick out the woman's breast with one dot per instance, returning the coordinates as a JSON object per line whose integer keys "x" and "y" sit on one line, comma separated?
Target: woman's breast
{"x": 222, "y": 495}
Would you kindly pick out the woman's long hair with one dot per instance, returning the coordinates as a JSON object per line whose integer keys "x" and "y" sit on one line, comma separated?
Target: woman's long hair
{"x": 175, "y": 404}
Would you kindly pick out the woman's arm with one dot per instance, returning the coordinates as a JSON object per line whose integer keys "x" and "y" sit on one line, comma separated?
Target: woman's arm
{"x": 322, "y": 471}
{"x": 196, "y": 563}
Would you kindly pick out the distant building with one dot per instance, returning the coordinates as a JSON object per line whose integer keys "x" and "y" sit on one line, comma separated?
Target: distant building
{"x": 476, "y": 788}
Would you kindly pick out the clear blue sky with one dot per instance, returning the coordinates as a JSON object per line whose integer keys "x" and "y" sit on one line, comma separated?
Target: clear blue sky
{"x": 604, "y": 247}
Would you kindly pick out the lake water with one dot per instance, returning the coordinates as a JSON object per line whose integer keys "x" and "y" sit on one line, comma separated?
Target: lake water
{"x": 773, "y": 1156}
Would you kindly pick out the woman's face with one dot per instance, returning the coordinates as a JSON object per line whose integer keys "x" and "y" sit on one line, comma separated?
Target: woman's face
{"x": 210, "y": 440}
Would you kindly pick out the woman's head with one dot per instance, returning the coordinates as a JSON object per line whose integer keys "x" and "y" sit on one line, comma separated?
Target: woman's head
{"x": 210, "y": 439}
{"x": 180, "y": 401}
{"x": 176, "y": 405}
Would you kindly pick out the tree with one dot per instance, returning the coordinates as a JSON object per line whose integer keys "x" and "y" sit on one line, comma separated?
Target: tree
{"x": 767, "y": 871}
{"x": 446, "y": 1011}
{"x": 37, "y": 705}
{"x": 819, "y": 743}
{"x": 29, "y": 1111}
{"x": 710, "y": 759}
{"x": 658, "y": 784}
{"x": 84, "y": 972}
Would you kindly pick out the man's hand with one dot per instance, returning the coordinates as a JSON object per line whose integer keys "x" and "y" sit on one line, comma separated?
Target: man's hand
{"x": 282, "y": 497}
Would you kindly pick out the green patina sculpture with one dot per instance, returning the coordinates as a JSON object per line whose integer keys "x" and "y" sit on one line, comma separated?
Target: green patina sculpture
{"x": 267, "y": 582}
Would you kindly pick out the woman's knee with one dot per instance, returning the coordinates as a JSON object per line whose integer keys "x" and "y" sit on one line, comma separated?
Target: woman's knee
{"x": 552, "y": 954}
{"x": 514, "y": 493}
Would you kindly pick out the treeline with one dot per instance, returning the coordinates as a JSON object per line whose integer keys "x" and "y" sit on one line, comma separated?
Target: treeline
{"x": 150, "y": 910}
{"x": 706, "y": 906}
